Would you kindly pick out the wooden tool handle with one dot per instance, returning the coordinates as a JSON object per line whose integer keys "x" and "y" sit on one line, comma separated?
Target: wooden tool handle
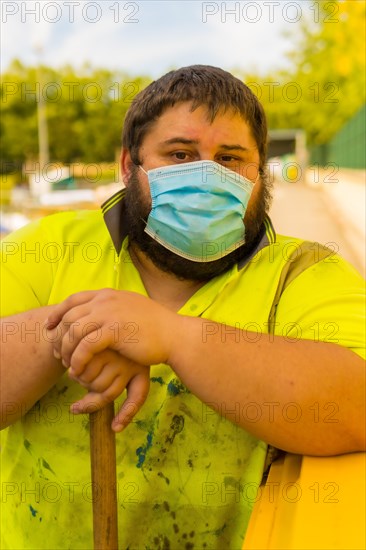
{"x": 104, "y": 483}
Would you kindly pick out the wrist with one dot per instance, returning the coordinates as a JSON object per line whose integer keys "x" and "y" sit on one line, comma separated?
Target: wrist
{"x": 183, "y": 335}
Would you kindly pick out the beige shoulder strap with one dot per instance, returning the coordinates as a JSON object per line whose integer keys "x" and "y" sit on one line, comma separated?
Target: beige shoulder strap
{"x": 305, "y": 255}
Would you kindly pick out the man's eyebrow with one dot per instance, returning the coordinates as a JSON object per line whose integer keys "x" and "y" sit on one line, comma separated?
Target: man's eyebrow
{"x": 174, "y": 140}
{"x": 235, "y": 147}
{"x": 186, "y": 141}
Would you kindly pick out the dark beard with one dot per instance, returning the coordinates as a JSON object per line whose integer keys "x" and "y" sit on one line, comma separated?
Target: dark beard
{"x": 137, "y": 211}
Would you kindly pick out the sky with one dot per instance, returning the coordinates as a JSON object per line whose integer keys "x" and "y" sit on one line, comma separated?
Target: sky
{"x": 150, "y": 37}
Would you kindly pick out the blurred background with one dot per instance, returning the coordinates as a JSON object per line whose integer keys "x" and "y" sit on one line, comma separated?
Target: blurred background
{"x": 69, "y": 71}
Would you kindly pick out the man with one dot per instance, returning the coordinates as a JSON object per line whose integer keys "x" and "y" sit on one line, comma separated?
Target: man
{"x": 225, "y": 336}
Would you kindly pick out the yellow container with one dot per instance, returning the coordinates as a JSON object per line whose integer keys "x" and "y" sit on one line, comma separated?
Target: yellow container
{"x": 311, "y": 503}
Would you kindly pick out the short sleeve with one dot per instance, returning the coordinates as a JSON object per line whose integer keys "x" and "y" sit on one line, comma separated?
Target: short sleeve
{"x": 325, "y": 303}
{"x": 26, "y": 269}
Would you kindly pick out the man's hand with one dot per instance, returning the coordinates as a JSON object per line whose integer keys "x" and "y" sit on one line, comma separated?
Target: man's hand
{"x": 92, "y": 321}
{"x": 106, "y": 376}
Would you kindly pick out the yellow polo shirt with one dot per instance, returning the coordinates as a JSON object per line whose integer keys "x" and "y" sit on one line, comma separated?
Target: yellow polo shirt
{"x": 187, "y": 477}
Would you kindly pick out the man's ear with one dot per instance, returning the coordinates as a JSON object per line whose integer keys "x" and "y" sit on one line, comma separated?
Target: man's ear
{"x": 126, "y": 165}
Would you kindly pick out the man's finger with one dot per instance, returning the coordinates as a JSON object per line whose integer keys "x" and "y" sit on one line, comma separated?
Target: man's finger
{"x": 86, "y": 348}
{"x": 69, "y": 331}
{"x": 137, "y": 393}
{"x": 72, "y": 301}
{"x": 91, "y": 402}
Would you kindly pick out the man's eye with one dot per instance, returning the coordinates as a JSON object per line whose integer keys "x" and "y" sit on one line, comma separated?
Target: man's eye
{"x": 180, "y": 155}
{"x": 229, "y": 158}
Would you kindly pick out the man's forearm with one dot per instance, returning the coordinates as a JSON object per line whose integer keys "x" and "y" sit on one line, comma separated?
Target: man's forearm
{"x": 28, "y": 367}
{"x": 304, "y": 397}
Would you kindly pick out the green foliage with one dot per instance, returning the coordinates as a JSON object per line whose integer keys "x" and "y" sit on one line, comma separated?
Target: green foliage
{"x": 7, "y": 182}
{"x": 325, "y": 86}
{"x": 331, "y": 59}
{"x": 85, "y": 112}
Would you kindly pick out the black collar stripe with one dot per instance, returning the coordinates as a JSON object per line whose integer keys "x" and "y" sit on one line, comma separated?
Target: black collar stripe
{"x": 270, "y": 230}
{"x": 113, "y": 200}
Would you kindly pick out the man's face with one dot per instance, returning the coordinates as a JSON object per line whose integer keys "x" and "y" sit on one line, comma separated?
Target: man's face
{"x": 181, "y": 136}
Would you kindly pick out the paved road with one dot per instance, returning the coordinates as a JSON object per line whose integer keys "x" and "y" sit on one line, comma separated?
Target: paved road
{"x": 300, "y": 210}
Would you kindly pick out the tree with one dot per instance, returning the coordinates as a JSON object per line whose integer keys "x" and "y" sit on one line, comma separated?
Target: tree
{"x": 325, "y": 84}
{"x": 329, "y": 61}
{"x": 85, "y": 112}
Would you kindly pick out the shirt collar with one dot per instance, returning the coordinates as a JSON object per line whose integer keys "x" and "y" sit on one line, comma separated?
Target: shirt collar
{"x": 112, "y": 211}
{"x": 115, "y": 220}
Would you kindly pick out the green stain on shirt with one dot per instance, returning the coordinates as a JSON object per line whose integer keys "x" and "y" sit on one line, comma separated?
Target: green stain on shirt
{"x": 175, "y": 387}
{"x": 142, "y": 451}
{"x": 158, "y": 379}
{"x": 47, "y": 466}
{"x": 33, "y": 511}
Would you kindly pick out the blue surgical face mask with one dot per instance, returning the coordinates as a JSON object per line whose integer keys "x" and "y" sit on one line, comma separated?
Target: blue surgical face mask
{"x": 198, "y": 209}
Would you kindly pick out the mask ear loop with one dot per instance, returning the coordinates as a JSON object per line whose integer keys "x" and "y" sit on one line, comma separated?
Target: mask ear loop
{"x": 257, "y": 178}
{"x": 144, "y": 171}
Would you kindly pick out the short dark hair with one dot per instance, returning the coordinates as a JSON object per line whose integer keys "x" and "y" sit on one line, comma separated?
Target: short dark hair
{"x": 212, "y": 87}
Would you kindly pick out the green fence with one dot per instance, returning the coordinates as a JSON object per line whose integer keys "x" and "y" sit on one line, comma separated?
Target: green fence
{"x": 348, "y": 147}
